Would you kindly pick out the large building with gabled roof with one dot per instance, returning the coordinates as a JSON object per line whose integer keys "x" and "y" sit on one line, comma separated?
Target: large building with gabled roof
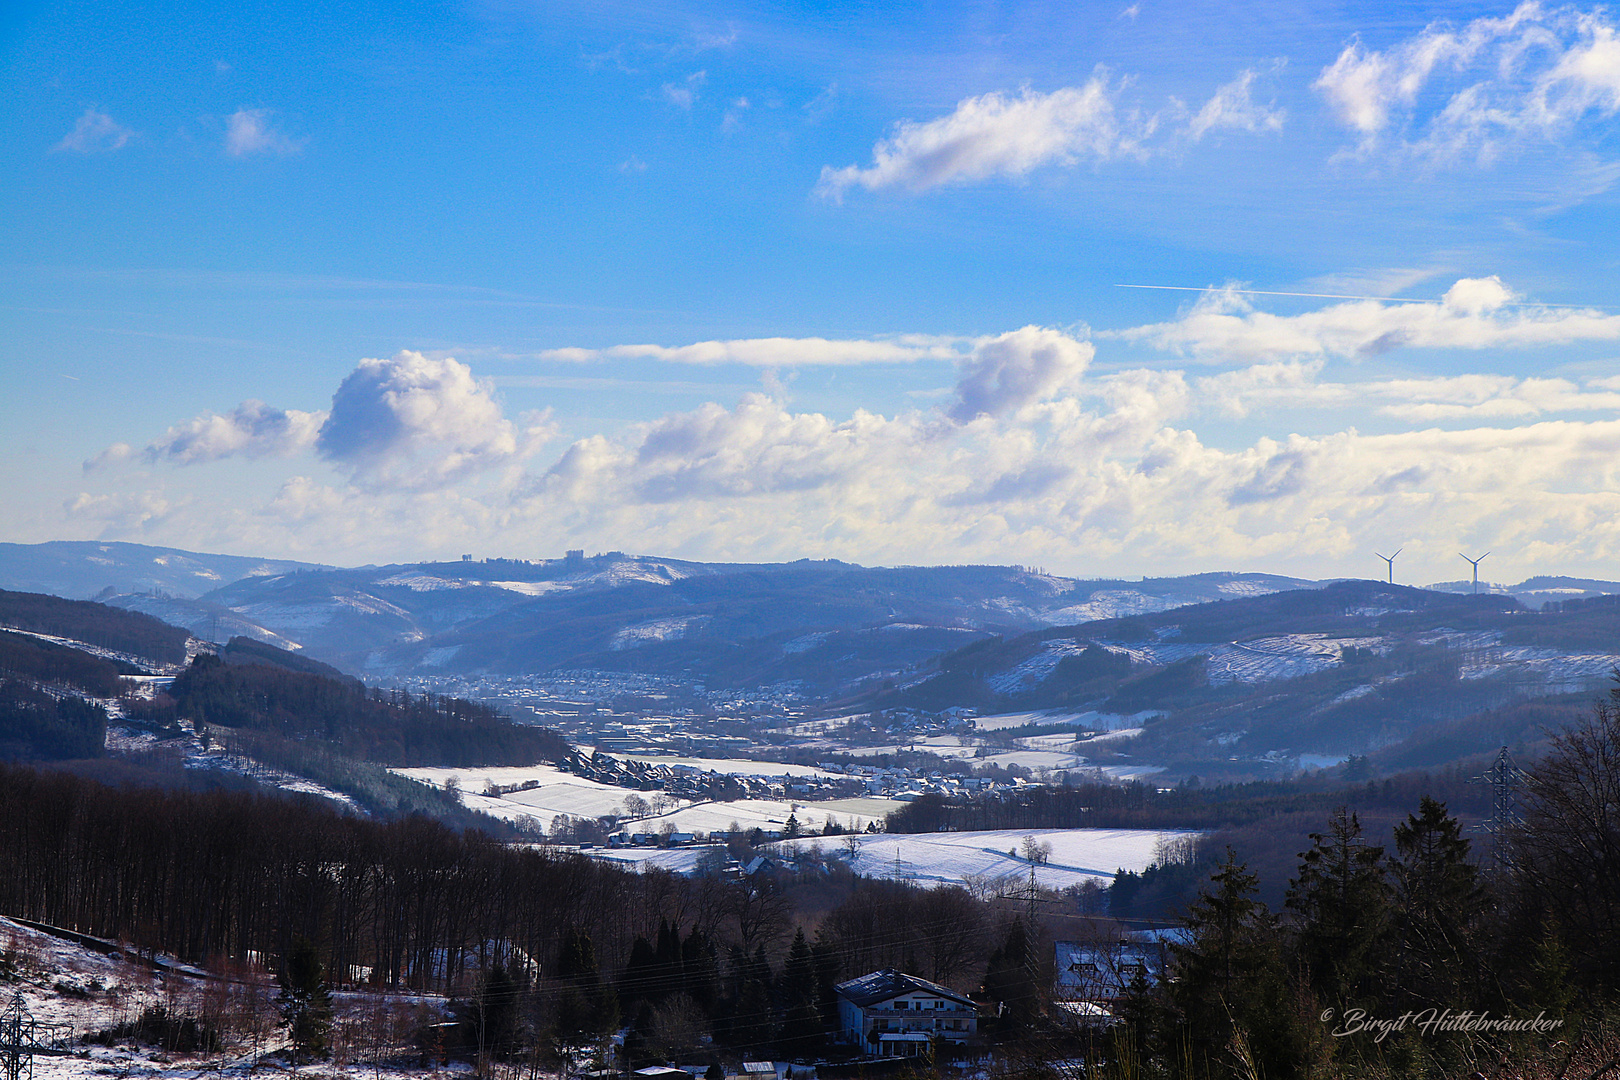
{"x": 892, "y": 1014}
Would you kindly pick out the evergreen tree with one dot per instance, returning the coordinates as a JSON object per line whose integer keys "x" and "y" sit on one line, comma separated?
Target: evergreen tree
{"x": 1009, "y": 978}
{"x": 1231, "y": 990}
{"x": 489, "y": 1021}
{"x": 1342, "y": 899}
{"x": 1439, "y": 902}
{"x": 305, "y": 1002}
{"x": 586, "y": 1008}
{"x": 801, "y": 1018}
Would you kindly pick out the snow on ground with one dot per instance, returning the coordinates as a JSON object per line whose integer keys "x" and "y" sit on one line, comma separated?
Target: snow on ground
{"x": 767, "y": 814}
{"x": 1033, "y": 759}
{"x": 731, "y": 766}
{"x": 80, "y": 991}
{"x": 1097, "y": 721}
{"x": 1032, "y": 672}
{"x": 1284, "y": 656}
{"x": 983, "y": 857}
{"x": 559, "y": 792}
{"x": 1131, "y": 772}
{"x": 1111, "y": 604}
{"x": 122, "y": 740}
{"x": 648, "y": 633}
{"x": 564, "y": 793}
{"x": 681, "y": 860}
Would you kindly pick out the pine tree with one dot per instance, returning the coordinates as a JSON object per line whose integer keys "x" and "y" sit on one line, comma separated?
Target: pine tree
{"x": 1230, "y": 987}
{"x": 305, "y": 1002}
{"x": 801, "y": 1019}
{"x": 1343, "y": 901}
{"x": 1009, "y": 978}
{"x": 1439, "y": 901}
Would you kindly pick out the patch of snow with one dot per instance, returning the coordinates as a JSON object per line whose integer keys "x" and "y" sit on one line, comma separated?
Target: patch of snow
{"x": 804, "y": 642}
{"x": 655, "y": 630}
{"x": 983, "y": 858}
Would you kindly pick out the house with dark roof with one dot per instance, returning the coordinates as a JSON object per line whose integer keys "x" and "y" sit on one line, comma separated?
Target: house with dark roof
{"x": 1102, "y": 971}
{"x": 892, "y": 1014}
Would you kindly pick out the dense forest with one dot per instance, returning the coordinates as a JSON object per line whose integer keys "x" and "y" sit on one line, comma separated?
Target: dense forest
{"x": 30, "y": 658}
{"x": 94, "y": 624}
{"x": 390, "y": 728}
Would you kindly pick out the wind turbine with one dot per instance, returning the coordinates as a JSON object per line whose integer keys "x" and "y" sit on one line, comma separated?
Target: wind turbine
{"x": 1475, "y": 563}
{"x": 1391, "y": 560}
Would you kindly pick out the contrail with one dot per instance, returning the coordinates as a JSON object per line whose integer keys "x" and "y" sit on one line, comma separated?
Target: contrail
{"x": 1346, "y": 296}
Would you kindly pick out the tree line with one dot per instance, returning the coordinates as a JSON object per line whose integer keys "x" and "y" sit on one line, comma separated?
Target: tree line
{"x": 96, "y": 624}
{"x": 391, "y": 728}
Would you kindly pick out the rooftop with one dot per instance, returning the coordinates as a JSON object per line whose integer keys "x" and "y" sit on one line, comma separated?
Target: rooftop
{"x": 889, "y": 983}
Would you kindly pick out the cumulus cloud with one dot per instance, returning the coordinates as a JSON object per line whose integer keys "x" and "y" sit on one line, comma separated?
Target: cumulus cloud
{"x": 252, "y": 430}
{"x": 412, "y": 421}
{"x": 95, "y": 132}
{"x": 1475, "y": 313}
{"x": 1018, "y": 369}
{"x": 780, "y": 351}
{"x": 712, "y": 452}
{"x": 1009, "y": 135}
{"x": 1037, "y": 457}
{"x": 251, "y": 131}
{"x": 408, "y": 422}
{"x": 995, "y": 134}
{"x": 1448, "y": 93}
{"x": 123, "y": 513}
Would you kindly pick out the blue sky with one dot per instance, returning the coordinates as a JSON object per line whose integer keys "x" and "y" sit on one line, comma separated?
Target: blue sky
{"x": 753, "y": 281}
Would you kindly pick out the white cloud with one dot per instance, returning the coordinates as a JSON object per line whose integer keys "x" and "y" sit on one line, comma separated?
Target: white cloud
{"x": 1018, "y": 369}
{"x": 1449, "y": 93}
{"x": 683, "y": 94}
{"x": 250, "y": 131}
{"x": 123, "y": 513}
{"x": 252, "y": 429}
{"x": 1037, "y": 457}
{"x": 779, "y": 351}
{"x": 413, "y": 422}
{"x": 1233, "y": 106}
{"x": 95, "y": 132}
{"x": 1475, "y": 313}
{"x": 1477, "y": 397}
{"x": 995, "y": 134}
{"x": 1011, "y": 135}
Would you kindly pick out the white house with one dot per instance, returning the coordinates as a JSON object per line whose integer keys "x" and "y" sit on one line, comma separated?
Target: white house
{"x": 893, "y": 1014}
{"x": 1102, "y": 971}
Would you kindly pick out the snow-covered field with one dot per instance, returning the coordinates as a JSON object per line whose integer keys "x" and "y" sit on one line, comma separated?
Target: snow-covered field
{"x": 1097, "y": 721}
{"x": 1077, "y": 855}
{"x": 563, "y": 793}
{"x": 731, "y": 766}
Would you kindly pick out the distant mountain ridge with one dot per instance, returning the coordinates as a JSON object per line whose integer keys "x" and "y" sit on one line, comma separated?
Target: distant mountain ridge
{"x": 85, "y": 569}
{"x": 825, "y": 625}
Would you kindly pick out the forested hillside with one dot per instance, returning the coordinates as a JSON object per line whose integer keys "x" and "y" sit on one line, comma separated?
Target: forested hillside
{"x": 392, "y": 728}
{"x": 94, "y": 624}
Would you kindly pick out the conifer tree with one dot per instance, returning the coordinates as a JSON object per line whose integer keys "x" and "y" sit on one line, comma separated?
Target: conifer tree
{"x": 1009, "y": 978}
{"x": 1342, "y": 898}
{"x": 1230, "y": 987}
{"x": 305, "y": 1002}
{"x": 1439, "y": 902}
{"x": 801, "y": 1019}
